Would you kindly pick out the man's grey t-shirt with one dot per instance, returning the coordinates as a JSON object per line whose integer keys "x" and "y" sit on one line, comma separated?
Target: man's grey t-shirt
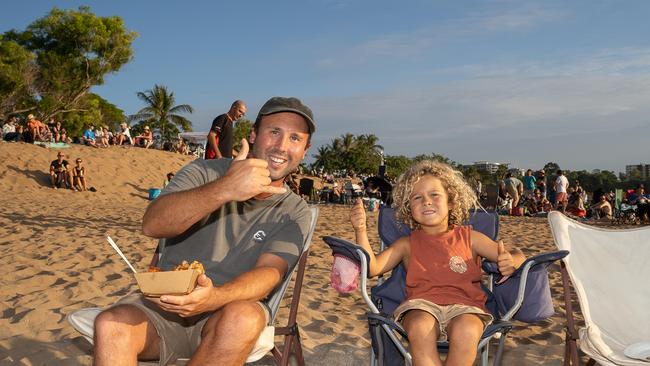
{"x": 230, "y": 240}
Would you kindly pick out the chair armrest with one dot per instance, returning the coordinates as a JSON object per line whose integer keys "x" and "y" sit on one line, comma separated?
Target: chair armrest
{"x": 346, "y": 249}
{"x": 498, "y": 326}
{"x": 381, "y": 319}
{"x": 539, "y": 259}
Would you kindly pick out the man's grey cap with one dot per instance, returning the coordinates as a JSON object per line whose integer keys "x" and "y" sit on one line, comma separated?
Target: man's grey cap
{"x": 288, "y": 104}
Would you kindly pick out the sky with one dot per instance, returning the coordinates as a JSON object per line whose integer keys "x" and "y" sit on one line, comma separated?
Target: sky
{"x": 522, "y": 82}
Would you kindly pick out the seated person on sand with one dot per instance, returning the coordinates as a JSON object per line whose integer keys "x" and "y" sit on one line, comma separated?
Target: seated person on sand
{"x": 11, "y": 131}
{"x": 59, "y": 132}
{"x": 575, "y": 206}
{"x": 442, "y": 257}
{"x": 89, "y": 137}
{"x": 79, "y": 176}
{"x": 123, "y": 135}
{"x": 145, "y": 139}
{"x": 601, "y": 209}
{"x": 34, "y": 127}
{"x": 168, "y": 179}
{"x": 538, "y": 203}
{"x": 60, "y": 172}
{"x": 100, "y": 138}
{"x": 642, "y": 202}
{"x": 220, "y": 321}
{"x": 180, "y": 146}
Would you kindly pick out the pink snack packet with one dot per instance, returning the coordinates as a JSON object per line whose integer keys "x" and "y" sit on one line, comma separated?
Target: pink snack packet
{"x": 345, "y": 274}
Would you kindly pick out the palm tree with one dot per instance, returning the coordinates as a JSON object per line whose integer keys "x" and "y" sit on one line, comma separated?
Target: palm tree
{"x": 161, "y": 113}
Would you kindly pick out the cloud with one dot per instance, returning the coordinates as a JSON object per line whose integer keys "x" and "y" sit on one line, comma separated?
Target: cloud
{"x": 592, "y": 113}
{"x": 405, "y": 45}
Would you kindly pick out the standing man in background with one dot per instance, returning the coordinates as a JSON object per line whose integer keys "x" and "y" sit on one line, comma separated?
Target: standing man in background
{"x": 221, "y": 133}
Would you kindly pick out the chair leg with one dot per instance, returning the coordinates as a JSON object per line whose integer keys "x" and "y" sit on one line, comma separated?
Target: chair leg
{"x": 499, "y": 355}
{"x": 297, "y": 345}
{"x": 571, "y": 344}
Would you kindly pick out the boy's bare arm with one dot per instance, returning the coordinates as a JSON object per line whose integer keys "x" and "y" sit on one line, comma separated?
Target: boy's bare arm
{"x": 384, "y": 261}
{"x": 508, "y": 260}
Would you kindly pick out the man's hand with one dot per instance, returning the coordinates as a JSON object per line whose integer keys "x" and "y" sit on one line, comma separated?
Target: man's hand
{"x": 358, "y": 215}
{"x": 505, "y": 262}
{"x": 196, "y": 302}
{"x": 248, "y": 178}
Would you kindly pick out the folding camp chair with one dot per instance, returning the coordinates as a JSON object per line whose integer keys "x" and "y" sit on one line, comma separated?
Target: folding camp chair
{"x": 388, "y": 337}
{"x": 609, "y": 270}
{"x": 83, "y": 320}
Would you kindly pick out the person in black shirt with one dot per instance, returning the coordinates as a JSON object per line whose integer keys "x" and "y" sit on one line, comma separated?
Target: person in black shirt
{"x": 221, "y": 133}
{"x": 60, "y": 171}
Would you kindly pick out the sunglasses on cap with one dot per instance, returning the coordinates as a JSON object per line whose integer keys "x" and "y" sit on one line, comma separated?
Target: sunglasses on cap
{"x": 79, "y": 161}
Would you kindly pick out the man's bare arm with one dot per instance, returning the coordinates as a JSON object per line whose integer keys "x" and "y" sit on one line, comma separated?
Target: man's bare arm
{"x": 172, "y": 214}
{"x": 253, "y": 285}
{"x": 212, "y": 144}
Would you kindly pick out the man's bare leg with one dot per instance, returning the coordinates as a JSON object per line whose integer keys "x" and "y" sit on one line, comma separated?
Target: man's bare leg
{"x": 230, "y": 334}
{"x": 122, "y": 334}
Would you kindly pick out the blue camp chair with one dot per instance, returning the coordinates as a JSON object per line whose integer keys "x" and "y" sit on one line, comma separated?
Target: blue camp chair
{"x": 525, "y": 296}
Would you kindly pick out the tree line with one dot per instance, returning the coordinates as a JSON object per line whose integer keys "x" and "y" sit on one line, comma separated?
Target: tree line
{"x": 49, "y": 69}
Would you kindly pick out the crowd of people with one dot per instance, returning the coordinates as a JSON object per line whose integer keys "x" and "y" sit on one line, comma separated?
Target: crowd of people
{"x": 32, "y": 130}
{"x": 532, "y": 198}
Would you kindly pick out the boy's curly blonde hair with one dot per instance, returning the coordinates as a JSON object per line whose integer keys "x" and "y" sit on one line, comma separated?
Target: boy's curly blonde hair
{"x": 461, "y": 196}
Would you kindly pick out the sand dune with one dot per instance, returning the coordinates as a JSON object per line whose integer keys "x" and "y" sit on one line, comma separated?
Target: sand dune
{"x": 54, "y": 259}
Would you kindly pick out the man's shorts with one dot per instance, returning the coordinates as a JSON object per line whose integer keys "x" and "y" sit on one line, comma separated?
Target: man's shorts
{"x": 562, "y": 197}
{"x": 443, "y": 313}
{"x": 179, "y": 337}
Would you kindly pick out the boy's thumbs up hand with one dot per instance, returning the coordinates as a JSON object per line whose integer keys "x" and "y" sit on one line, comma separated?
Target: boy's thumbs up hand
{"x": 247, "y": 178}
{"x": 358, "y": 215}
{"x": 243, "y": 152}
{"x": 504, "y": 261}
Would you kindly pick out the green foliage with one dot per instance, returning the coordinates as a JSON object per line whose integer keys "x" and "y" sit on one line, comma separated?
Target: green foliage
{"x": 161, "y": 114}
{"x": 95, "y": 111}
{"x": 243, "y": 128}
{"x": 72, "y": 51}
{"x": 17, "y": 75}
{"x": 397, "y": 164}
{"x": 359, "y": 154}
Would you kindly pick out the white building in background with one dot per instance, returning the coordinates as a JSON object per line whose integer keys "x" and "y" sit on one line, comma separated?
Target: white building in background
{"x": 487, "y": 166}
{"x": 643, "y": 169}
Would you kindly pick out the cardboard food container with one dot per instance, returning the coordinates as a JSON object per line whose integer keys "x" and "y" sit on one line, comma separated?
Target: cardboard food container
{"x": 156, "y": 284}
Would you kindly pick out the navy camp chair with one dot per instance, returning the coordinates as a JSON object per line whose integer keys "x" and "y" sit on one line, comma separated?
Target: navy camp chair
{"x": 525, "y": 296}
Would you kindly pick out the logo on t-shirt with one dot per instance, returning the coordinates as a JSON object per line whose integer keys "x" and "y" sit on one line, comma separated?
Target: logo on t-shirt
{"x": 457, "y": 264}
{"x": 259, "y": 236}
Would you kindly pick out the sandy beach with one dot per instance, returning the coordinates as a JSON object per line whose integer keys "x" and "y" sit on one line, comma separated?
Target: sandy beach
{"x": 54, "y": 259}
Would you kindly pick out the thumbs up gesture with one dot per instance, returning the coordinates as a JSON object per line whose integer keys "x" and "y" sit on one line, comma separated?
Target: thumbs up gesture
{"x": 358, "y": 215}
{"x": 247, "y": 178}
{"x": 504, "y": 261}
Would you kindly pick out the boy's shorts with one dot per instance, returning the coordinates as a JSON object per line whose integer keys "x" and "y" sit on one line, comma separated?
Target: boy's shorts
{"x": 179, "y": 337}
{"x": 443, "y": 313}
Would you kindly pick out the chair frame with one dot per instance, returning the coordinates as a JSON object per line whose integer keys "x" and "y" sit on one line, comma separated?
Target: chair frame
{"x": 571, "y": 349}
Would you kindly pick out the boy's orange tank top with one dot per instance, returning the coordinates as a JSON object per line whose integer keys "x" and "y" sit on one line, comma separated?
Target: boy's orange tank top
{"x": 442, "y": 269}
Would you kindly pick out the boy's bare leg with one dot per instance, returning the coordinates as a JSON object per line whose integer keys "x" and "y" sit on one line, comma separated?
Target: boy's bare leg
{"x": 423, "y": 332}
{"x": 122, "y": 334}
{"x": 230, "y": 334}
{"x": 464, "y": 333}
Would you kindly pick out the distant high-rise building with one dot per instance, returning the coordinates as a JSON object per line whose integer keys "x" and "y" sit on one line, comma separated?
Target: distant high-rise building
{"x": 487, "y": 166}
{"x": 642, "y": 169}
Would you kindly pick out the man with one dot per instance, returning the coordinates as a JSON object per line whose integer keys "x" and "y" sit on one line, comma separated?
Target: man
{"x": 530, "y": 183}
{"x": 60, "y": 172}
{"x": 514, "y": 187}
{"x": 561, "y": 188}
{"x": 601, "y": 209}
{"x": 221, "y": 133}
{"x": 10, "y": 132}
{"x": 89, "y": 137}
{"x": 239, "y": 220}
